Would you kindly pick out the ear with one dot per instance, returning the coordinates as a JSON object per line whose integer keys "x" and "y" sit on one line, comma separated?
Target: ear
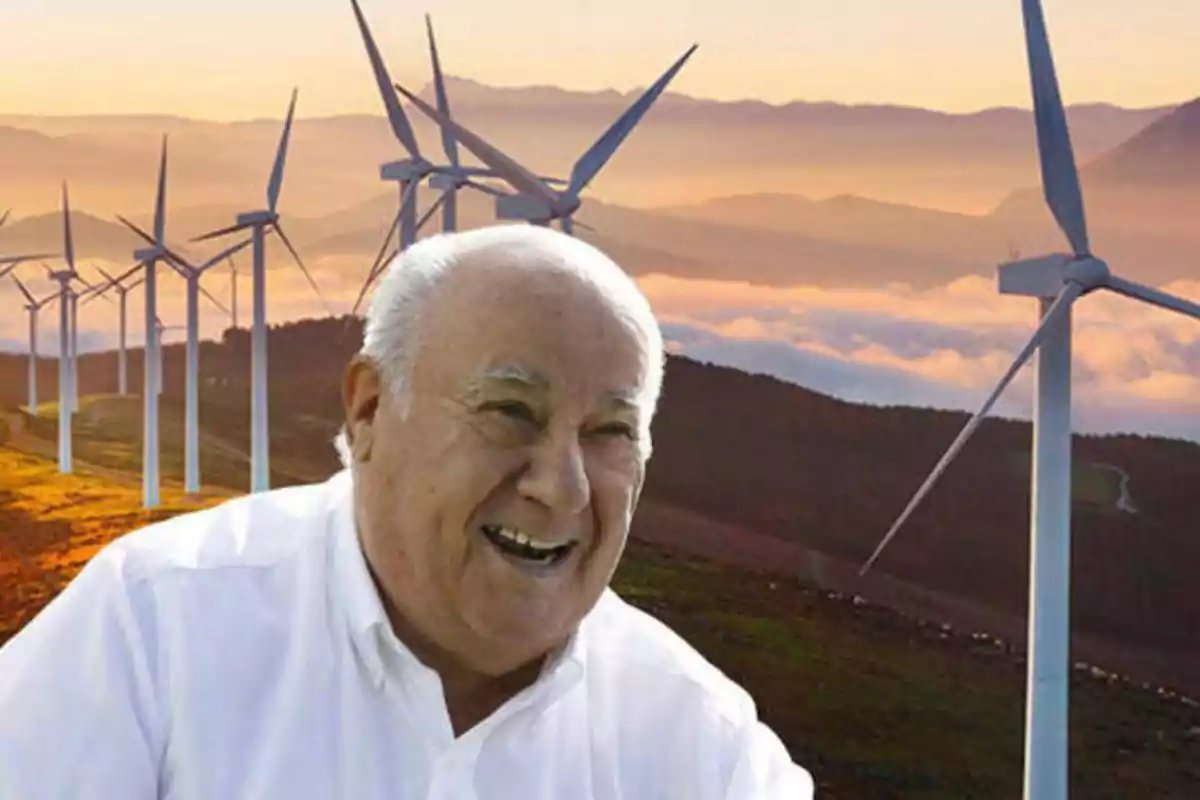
{"x": 360, "y": 402}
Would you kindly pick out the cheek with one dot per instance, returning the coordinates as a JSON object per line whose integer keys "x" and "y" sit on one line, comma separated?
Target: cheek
{"x": 616, "y": 478}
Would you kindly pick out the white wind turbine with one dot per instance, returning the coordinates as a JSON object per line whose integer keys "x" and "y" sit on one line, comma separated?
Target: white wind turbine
{"x": 1057, "y": 281}
{"x": 66, "y": 304}
{"x": 34, "y": 306}
{"x": 409, "y": 172}
{"x": 192, "y": 274}
{"x": 122, "y": 296}
{"x": 148, "y": 258}
{"x": 536, "y": 201}
{"x": 258, "y": 221}
{"x": 159, "y": 329}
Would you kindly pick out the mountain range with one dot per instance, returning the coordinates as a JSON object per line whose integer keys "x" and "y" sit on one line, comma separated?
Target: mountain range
{"x": 690, "y": 194}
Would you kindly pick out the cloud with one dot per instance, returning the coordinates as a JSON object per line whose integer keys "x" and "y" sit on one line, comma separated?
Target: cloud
{"x": 1135, "y": 367}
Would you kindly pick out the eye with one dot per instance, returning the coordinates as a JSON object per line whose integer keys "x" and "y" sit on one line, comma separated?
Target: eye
{"x": 617, "y": 429}
{"x": 513, "y": 409}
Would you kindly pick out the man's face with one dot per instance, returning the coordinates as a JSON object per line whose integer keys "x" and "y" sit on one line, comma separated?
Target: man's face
{"x": 495, "y": 514}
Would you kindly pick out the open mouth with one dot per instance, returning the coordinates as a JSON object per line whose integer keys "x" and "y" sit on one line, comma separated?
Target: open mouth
{"x": 512, "y": 542}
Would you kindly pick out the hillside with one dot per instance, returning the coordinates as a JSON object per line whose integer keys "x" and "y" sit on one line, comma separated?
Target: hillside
{"x": 817, "y": 481}
{"x": 1148, "y": 183}
{"x": 875, "y": 704}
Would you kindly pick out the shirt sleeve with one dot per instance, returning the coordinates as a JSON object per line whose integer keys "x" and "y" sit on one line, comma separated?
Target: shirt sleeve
{"x": 764, "y": 770}
{"x": 78, "y": 713}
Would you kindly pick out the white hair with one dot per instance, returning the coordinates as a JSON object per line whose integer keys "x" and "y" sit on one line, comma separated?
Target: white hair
{"x": 391, "y": 333}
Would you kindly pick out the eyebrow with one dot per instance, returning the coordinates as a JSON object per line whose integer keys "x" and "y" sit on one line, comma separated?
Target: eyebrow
{"x": 515, "y": 376}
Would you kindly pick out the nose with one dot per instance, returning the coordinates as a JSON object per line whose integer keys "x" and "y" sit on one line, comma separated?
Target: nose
{"x": 557, "y": 477}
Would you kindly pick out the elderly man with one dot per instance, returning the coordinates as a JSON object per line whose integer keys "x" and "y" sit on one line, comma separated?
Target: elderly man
{"x": 433, "y": 622}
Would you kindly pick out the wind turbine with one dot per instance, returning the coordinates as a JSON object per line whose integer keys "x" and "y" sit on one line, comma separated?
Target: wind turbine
{"x": 148, "y": 257}
{"x": 122, "y": 295}
{"x": 258, "y": 221}
{"x": 159, "y": 330}
{"x": 536, "y": 201}
{"x": 192, "y": 274}
{"x": 1057, "y": 281}
{"x": 66, "y": 295}
{"x": 33, "y": 307}
{"x": 409, "y": 172}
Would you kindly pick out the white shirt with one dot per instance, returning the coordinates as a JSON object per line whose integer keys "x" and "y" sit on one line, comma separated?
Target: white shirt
{"x": 242, "y": 652}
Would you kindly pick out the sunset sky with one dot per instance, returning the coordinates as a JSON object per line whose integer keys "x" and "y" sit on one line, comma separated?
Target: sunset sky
{"x": 229, "y": 59}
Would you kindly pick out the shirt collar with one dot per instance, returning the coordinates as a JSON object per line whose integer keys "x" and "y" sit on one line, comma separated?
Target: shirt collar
{"x": 369, "y": 628}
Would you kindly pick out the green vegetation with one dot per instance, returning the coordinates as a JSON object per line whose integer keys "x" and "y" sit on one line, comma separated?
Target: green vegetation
{"x": 875, "y": 704}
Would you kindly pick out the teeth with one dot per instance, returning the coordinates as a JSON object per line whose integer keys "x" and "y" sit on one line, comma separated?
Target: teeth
{"x": 519, "y": 537}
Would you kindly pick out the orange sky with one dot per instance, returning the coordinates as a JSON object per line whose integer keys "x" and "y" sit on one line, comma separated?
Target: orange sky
{"x": 217, "y": 60}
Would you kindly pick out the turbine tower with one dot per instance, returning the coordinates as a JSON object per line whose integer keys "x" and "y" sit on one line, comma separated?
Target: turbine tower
{"x": 33, "y": 306}
{"x": 192, "y": 274}
{"x": 66, "y": 295}
{"x": 148, "y": 258}
{"x": 122, "y": 295}
{"x": 1057, "y": 281}
{"x": 258, "y": 221}
{"x": 536, "y": 201}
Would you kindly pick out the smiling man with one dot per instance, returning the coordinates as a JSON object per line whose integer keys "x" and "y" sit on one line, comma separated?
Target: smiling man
{"x": 433, "y": 622}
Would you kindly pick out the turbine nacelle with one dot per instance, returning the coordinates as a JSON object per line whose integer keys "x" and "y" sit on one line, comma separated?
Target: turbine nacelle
{"x": 1045, "y": 276}
{"x": 251, "y": 218}
{"x": 408, "y": 169}
{"x": 444, "y": 181}
{"x": 148, "y": 254}
{"x": 524, "y": 207}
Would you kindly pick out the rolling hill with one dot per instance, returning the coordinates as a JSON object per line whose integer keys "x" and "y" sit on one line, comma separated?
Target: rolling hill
{"x": 816, "y": 480}
{"x": 874, "y": 703}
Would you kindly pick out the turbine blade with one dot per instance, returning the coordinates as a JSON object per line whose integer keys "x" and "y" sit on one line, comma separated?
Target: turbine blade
{"x": 160, "y": 201}
{"x": 518, "y": 176}
{"x": 449, "y": 144}
{"x": 433, "y": 208}
{"x": 212, "y": 299}
{"x": 373, "y": 273}
{"x": 276, "y": 181}
{"x": 1153, "y": 296}
{"x": 101, "y": 270}
{"x": 599, "y": 153}
{"x": 127, "y": 273}
{"x": 1060, "y": 179}
{"x": 1061, "y": 304}
{"x": 4, "y": 218}
{"x": 147, "y": 237}
{"x": 483, "y": 187}
{"x": 395, "y": 112}
{"x": 24, "y": 291}
{"x": 288, "y": 244}
{"x": 222, "y": 232}
{"x": 68, "y": 244}
{"x": 225, "y": 254}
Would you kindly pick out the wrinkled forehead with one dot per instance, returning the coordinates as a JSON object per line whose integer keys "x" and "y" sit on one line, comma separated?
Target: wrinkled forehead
{"x": 535, "y": 331}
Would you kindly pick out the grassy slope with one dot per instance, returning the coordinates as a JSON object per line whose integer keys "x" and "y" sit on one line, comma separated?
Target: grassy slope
{"x": 874, "y": 704}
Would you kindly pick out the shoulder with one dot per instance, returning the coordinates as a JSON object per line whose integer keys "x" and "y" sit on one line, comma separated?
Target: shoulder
{"x": 632, "y": 645}
{"x": 258, "y": 531}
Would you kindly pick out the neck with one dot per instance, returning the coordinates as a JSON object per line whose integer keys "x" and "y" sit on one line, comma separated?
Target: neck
{"x": 471, "y": 694}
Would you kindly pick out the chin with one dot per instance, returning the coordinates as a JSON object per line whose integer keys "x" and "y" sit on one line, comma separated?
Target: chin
{"x": 515, "y": 637}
